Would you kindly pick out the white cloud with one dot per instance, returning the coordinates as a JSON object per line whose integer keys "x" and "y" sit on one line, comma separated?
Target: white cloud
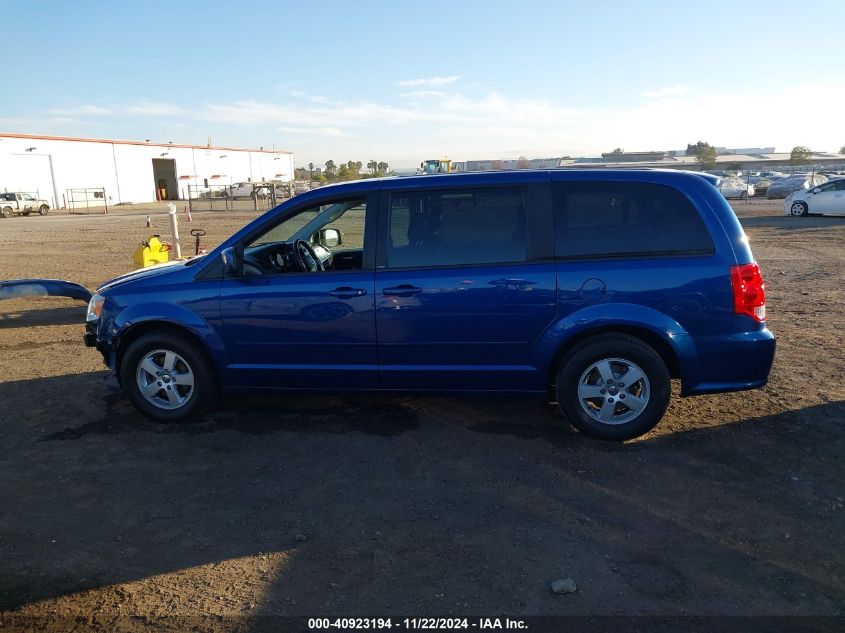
{"x": 430, "y": 81}
{"x": 156, "y": 108}
{"x": 313, "y": 131}
{"x": 422, "y": 93}
{"x": 496, "y": 125}
{"x": 83, "y": 110}
{"x": 668, "y": 91}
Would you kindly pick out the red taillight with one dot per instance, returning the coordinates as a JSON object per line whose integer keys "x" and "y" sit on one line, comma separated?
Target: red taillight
{"x": 749, "y": 291}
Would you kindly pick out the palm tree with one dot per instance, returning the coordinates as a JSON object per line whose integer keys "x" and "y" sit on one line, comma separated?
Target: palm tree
{"x": 373, "y": 165}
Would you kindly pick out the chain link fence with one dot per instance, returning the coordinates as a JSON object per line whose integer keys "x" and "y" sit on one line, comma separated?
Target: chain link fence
{"x": 86, "y": 200}
{"x": 249, "y": 196}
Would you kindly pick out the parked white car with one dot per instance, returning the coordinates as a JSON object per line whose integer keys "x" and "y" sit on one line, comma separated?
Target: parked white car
{"x": 246, "y": 190}
{"x": 735, "y": 188}
{"x": 826, "y": 198}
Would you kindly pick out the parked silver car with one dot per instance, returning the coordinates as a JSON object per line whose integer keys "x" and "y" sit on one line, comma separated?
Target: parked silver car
{"x": 736, "y": 188}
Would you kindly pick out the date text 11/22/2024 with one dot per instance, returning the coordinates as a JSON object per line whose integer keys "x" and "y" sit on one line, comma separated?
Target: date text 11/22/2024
{"x": 421, "y": 623}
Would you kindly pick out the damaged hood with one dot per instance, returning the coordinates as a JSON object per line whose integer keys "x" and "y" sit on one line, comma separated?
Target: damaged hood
{"x": 151, "y": 271}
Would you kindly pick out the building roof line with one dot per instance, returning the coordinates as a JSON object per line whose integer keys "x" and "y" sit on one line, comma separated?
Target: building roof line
{"x": 40, "y": 137}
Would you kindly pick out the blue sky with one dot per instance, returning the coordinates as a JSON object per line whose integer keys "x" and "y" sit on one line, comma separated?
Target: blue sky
{"x": 403, "y": 81}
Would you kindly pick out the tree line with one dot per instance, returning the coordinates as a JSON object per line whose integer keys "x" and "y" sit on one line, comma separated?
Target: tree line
{"x": 705, "y": 154}
{"x": 350, "y": 170}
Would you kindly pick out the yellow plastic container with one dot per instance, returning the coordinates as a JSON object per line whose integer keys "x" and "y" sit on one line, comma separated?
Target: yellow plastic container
{"x": 151, "y": 252}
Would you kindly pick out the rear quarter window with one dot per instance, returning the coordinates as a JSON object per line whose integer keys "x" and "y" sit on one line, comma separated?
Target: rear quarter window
{"x": 620, "y": 219}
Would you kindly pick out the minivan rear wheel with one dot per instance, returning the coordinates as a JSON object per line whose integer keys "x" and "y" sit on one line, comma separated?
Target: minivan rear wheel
{"x": 613, "y": 387}
{"x": 166, "y": 377}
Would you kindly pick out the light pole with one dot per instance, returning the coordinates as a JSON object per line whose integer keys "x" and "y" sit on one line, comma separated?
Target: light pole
{"x": 52, "y": 174}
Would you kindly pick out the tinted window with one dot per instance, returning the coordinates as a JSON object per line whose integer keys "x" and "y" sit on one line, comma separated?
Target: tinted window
{"x": 457, "y": 227}
{"x": 594, "y": 219}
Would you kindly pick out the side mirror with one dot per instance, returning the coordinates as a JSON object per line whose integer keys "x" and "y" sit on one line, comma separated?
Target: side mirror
{"x": 231, "y": 264}
{"x": 817, "y": 190}
{"x": 331, "y": 238}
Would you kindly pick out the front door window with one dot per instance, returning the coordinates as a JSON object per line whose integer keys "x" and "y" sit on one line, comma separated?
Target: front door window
{"x": 318, "y": 239}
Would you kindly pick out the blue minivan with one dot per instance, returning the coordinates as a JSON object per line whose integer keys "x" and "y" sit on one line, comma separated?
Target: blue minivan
{"x": 591, "y": 288}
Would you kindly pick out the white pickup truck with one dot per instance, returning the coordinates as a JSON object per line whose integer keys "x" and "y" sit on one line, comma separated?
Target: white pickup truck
{"x": 21, "y": 204}
{"x": 246, "y": 190}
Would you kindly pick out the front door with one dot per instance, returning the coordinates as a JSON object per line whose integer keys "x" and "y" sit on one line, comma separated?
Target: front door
{"x": 459, "y": 301}
{"x": 287, "y": 328}
{"x": 828, "y": 199}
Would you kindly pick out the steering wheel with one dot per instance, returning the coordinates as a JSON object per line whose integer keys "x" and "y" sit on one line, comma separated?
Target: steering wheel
{"x": 306, "y": 258}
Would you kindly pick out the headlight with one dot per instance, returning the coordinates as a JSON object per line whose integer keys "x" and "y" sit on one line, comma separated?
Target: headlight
{"x": 95, "y": 307}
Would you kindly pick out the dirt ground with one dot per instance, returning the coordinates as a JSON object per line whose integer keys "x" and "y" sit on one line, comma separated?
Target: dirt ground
{"x": 377, "y": 506}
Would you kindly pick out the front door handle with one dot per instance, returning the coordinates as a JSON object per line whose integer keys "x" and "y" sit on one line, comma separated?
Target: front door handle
{"x": 345, "y": 292}
{"x": 403, "y": 290}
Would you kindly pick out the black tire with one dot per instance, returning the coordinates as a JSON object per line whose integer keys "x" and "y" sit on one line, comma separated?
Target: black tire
{"x": 794, "y": 209}
{"x": 204, "y": 388}
{"x": 613, "y": 346}
{"x": 744, "y": 196}
{"x": 43, "y": 209}
{"x": 6, "y": 212}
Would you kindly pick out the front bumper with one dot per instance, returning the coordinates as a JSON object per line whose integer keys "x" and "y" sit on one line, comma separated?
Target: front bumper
{"x": 90, "y": 336}
{"x": 91, "y": 339}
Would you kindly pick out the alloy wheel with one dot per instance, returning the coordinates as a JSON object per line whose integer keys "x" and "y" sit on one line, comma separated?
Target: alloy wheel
{"x": 165, "y": 379}
{"x": 613, "y": 391}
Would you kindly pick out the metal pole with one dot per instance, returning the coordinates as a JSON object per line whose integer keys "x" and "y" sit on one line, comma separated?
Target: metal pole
{"x": 116, "y": 178}
{"x": 174, "y": 229}
{"x": 747, "y": 185}
{"x": 53, "y": 178}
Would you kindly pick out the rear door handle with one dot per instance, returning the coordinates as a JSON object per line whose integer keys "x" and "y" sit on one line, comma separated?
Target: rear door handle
{"x": 345, "y": 292}
{"x": 403, "y": 290}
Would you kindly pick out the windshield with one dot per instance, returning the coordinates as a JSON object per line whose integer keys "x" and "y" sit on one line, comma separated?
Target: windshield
{"x": 304, "y": 224}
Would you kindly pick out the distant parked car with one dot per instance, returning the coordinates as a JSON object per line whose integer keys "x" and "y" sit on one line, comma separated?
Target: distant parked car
{"x": 726, "y": 173}
{"x": 246, "y": 190}
{"x": 827, "y": 198}
{"x": 20, "y": 203}
{"x": 759, "y": 176}
{"x": 762, "y": 186}
{"x": 736, "y": 188}
{"x": 790, "y": 184}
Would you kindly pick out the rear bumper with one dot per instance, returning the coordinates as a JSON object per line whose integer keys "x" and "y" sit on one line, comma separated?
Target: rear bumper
{"x": 730, "y": 363}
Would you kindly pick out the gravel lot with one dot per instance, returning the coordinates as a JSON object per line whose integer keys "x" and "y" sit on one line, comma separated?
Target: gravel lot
{"x": 376, "y": 506}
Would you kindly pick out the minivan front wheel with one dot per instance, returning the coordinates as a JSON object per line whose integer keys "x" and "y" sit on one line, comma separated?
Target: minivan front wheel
{"x": 166, "y": 377}
{"x": 613, "y": 387}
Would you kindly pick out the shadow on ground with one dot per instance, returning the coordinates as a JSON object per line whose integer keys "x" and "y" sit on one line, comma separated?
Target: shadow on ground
{"x": 59, "y": 315}
{"x": 400, "y": 505}
{"x": 789, "y": 223}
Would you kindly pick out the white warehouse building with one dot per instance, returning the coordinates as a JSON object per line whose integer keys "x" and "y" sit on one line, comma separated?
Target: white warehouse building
{"x": 57, "y": 168}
